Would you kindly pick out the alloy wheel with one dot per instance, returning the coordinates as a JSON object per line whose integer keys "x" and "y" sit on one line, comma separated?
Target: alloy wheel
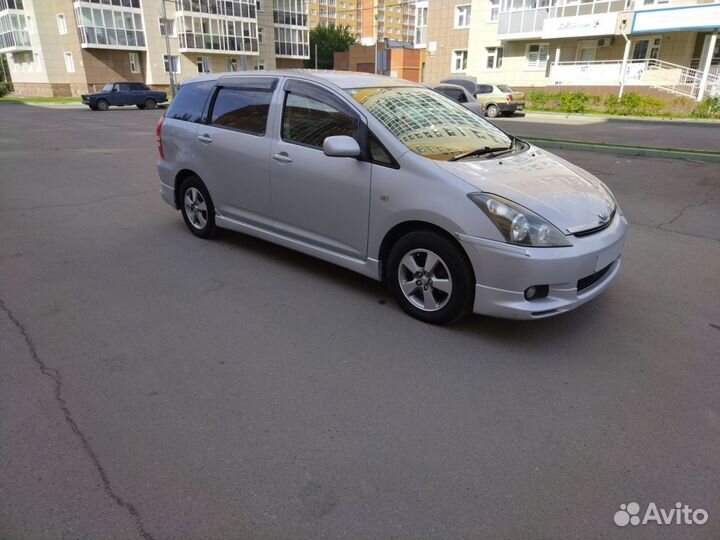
{"x": 425, "y": 280}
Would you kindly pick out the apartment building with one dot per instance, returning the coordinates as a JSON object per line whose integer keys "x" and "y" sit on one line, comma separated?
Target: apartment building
{"x": 602, "y": 46}
{"x": 67, "y": 47}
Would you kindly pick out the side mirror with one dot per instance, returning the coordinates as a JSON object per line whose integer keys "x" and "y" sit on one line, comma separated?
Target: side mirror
{"x": 341, "y": 146}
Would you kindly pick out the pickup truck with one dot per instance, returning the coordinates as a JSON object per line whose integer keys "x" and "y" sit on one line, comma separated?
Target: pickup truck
{"x": 124, "y": 93}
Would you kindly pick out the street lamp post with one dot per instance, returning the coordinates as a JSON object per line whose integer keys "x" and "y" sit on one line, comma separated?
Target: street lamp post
{"x": 171, "y": 66}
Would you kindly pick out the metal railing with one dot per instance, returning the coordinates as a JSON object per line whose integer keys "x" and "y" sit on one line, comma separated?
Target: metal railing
{"x": 674, "y": 78}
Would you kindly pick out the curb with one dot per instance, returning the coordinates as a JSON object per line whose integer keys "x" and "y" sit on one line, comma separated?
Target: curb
{"x": 674, "y": 153}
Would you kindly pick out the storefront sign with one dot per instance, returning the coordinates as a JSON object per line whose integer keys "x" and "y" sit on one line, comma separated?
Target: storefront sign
{"x": 580, "y": 26}
{"x": 680, "y": 18}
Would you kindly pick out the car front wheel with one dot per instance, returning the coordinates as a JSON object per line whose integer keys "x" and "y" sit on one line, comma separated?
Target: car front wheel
{"x": 150, "y": 103}
{"x": 197, "y": 208}
{"x": 102, "y": 105}
{"x": 430, "y": 277}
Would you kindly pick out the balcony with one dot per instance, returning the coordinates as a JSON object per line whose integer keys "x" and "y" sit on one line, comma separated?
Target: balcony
{"x": 110, "y": 26}
{"x": 547, "y": 19}
{"x": 14, "y": 36}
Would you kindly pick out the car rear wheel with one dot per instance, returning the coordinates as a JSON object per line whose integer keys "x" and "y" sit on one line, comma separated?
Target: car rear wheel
{"x": 492, "y": 110}
{"x": 102, "y": 105}
{"x": 140, "y": 106}
{"x": 430, "y": 277}
{"x": 150, "y": 103}
{"x": 197, "y": 208}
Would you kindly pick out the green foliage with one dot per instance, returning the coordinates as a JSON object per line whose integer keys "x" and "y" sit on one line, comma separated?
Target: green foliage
{"x": 634, "y": 104}
{"x": 708, "y": 108}
{"x": 631, "y": 104}
{"x": 573, "y": 102}
{"x": 5, "y": 89}
{"x": 329, "y": 40}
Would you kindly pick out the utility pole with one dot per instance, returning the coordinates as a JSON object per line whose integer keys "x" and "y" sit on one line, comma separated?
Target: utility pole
{"x": 171, "y": 65}
{"x": 316, "y": 55}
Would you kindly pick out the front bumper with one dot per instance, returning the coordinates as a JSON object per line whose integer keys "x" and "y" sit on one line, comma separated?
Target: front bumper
{"x": 503, "y": 272}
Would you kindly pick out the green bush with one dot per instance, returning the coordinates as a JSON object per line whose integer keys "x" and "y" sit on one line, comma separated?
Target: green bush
{"x": 708, "y": 108}
{"x": 634, "y": 104}
{"x": 573, "y": 102}
{"x": 538, "y": 99}
{"x": 4, "y": 89}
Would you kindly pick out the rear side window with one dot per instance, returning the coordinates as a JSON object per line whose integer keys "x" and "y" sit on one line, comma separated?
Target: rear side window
{"x": 484, "y": 89}
{"x": 138, "y": 86}
{"x": 504, "y": 88}
{"x": 243, "y": 109}
{"x": 455, "y": 94}
{"x": 189, "y": 103}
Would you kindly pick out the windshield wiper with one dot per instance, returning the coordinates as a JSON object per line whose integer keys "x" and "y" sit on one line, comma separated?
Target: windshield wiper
{"x": 486, "y": 150}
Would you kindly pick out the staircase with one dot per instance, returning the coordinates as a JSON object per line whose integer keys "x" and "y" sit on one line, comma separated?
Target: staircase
{"x": 674, "y": 78}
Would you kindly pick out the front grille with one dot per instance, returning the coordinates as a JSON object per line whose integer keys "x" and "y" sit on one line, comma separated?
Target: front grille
{"x": 588, "y": 281}
{"x": 599, "y": 228}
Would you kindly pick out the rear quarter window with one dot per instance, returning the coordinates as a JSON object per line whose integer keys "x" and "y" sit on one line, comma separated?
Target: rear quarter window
{"x": 190, "y": 100}
{"x": 504, "y": 88}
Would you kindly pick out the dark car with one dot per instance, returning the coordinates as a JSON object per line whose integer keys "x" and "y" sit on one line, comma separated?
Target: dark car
{"x": 124, "y": 93}
{"x": 496, "y": 99}
{"x": 461, "y": 95}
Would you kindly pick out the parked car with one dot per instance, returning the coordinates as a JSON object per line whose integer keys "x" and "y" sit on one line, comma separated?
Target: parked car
{"x": 495, "y": 98}
{"x": 124, "y": 93}
{"x": 461, "y": 95}
{"x": 459, "y": 216}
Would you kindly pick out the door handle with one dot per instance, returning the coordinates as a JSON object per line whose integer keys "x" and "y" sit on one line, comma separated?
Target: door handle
{"x": 205, "y": 138}
{"x": 283, "y": 157}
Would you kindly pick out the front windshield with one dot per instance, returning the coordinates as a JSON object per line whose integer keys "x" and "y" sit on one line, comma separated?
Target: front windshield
{"x": 429, "y": 124}
{"x": 107, "y": 87}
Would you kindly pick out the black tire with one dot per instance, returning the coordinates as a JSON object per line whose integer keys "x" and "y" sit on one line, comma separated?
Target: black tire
{"x": 140, "y": 106}
{"x": 453, "y": 306}
{"x": 102, "y": 105}
{"x": 150, "y": 103}
{"x": 93, "y": 107}
{"x": 492, "y": 110}
{"x": 194, "y": 222}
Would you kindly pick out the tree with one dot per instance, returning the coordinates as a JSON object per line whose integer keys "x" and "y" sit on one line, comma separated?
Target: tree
{"x": 329, "y": 40}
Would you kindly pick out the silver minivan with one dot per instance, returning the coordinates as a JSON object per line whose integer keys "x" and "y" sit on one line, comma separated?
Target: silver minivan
{"x": 394, "y": 181}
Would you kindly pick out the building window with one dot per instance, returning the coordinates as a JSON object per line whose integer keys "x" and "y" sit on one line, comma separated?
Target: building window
{"x": 134, "y": 62}
{"x": 260, "y": 65}
{"x": 261, "y": 34}
{"x": 37, "y": 62}
{"x": 218, "y": 34}
{"x": 203, "y": 64}
{"x": 462, "y": 16}
{"x": 119, "y": 27}
{"x": 494, "y": 10}
{"x": 536, "y": 55}
{"x": 171, "y": 62}
{"x": 494, "y": 57}
{"x": 232, "y": 64}
{"x": 258, "y": 5}
{"x": 459, "y": 60}
{"x": 69, "y": 63}
{"x": 167, "y": 27}
{"x": 62, "y": 25}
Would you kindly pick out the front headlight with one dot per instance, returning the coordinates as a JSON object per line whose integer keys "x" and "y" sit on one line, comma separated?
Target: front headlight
{"x": 517, "y": 224}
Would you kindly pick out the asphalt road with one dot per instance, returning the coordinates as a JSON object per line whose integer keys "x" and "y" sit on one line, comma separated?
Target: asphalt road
{"x": 686, "y": 135}
{"x": 156, "y": 385}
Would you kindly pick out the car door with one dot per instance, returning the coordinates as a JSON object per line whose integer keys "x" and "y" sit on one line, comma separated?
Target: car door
{"x": 121, "y": 94}
{"x": 319, "y": 199}
{"x": 138, "y": 93}
{"x": 233, "y": 149}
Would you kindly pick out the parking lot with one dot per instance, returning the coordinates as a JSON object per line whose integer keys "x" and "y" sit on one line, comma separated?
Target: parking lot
{"x": 159, "y": 386}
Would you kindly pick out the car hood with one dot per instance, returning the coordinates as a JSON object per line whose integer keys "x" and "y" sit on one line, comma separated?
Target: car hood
{"x": 567, "y": 196}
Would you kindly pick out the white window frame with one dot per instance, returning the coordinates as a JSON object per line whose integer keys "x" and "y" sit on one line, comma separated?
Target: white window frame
{"x": 232, "y": 64}
{"x": 261, "y": 35}
{"x": 457, "y": 54}
{"x": 586, "y": 44}
{"x": 494, "y": 11}
{"x": 259, "y": 65}
{"x": 492, "y": 52}
{"x": 170, "y": 62}
{"x": 464, "y": 12}
{"x": 69, "y": 62}
{"x": 161, "y": 26}
{"x": 259, "y": 6}
{"x": 62, "y": 24}
{"x": 203, "y": 64}
{"x": 134, "y": 59}
{"x": 537, "y": 65}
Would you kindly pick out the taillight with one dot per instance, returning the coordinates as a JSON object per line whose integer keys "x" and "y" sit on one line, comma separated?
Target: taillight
{"x": 509, "y": 98}
{"x": 158, "y": 137}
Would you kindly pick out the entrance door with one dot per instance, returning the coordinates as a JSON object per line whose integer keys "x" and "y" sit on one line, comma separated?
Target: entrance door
{"x": 647, "y": 48}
